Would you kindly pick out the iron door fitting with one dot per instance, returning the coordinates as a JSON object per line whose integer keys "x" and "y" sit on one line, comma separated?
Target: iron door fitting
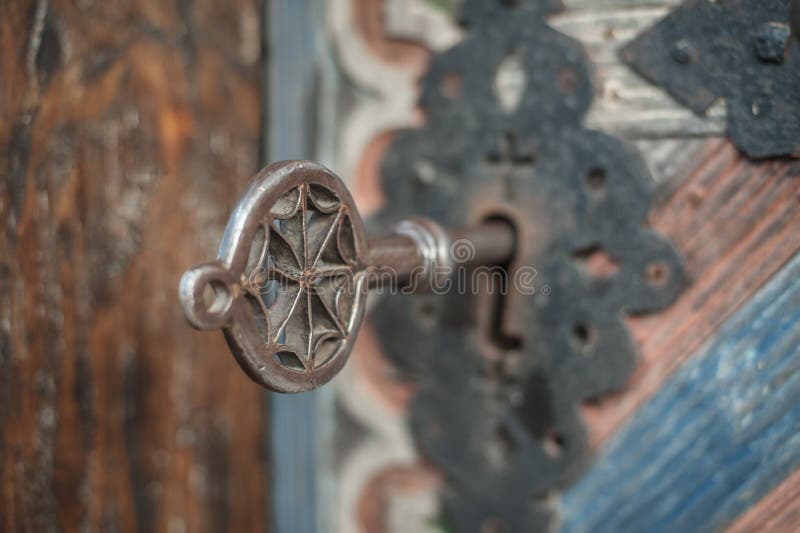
{"x": 550, "y": 211}
{"x": 739, "y": 50}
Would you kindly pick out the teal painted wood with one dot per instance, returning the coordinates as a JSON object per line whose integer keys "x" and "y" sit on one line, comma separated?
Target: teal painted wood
{"x": 719, "y": 435}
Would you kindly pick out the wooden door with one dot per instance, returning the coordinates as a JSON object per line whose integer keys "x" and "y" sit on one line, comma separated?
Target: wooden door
{"x": 128, "y": 129}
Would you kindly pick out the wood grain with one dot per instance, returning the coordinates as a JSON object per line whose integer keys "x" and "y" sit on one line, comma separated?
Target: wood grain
{"x": 626, "y": 103}
{"x": 735, "y": 222}
{"x": 126, "y": 131}
{"x": 778, "y": 512}
{"x": 717, "y": 437}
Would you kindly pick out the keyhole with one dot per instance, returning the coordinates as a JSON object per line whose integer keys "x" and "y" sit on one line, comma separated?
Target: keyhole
{"x": 499, "y": 288}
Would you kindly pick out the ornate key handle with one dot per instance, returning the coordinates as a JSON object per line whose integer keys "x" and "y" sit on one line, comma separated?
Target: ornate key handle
{"x": 288, "y": 286}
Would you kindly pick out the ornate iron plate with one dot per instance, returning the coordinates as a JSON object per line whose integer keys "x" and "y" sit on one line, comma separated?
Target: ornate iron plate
{"x": 739, "y": 50}
{"x": 500, "y": 376}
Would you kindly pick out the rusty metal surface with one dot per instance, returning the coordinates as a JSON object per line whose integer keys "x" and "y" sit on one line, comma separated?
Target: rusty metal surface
{"x": 396, "y": 253}
{"x": 500, "y": 374}
{"x": 490, "y": 243}
{"x": 287, "y": 287}
{"x": 289, "y": 283}
{"x": 739, "y": 50}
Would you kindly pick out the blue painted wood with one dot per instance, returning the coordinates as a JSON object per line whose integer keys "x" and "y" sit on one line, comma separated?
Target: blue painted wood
{"x": 293, "y": 472}
{"x": 719, "y": 435}
{"x": 291, "y": 81}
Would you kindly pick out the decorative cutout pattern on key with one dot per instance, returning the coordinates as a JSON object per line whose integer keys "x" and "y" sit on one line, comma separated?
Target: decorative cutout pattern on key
{"x": 300, "y": 283}
{"x": 288, "y": 285}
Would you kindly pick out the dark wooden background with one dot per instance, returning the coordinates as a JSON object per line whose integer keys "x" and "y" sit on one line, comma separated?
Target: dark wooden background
{"x": 127, "y": 130}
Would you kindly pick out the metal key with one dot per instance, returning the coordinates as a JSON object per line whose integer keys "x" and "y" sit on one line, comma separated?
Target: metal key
{"x": 289, "y": 284}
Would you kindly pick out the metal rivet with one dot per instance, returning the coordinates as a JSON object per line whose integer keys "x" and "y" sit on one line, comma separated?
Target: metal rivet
{"x": 770, "y": 41}
{"x": 682, "y": 52}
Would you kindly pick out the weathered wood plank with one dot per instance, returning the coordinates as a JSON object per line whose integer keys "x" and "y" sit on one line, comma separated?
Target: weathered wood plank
{"x": 735, "y": 222}
{"x": 718, "y": 435}
{"x": 627, "y": 104}
{"x": 126, "y": 131}
{"x": 777, "y": 512}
